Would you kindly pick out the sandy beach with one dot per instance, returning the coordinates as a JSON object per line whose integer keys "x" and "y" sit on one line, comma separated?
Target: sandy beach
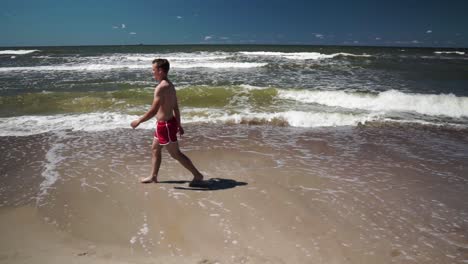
{"x": 335, "y": 195}
{"x": 331, "y": 132}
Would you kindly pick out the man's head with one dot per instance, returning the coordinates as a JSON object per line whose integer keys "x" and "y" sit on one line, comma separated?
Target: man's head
{"x": 160, "y": 69}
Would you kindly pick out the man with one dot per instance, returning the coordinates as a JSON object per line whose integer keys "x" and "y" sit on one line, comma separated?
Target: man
{"x": 166, "y": 110}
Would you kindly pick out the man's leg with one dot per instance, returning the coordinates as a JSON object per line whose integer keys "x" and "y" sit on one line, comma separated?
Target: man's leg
{"x": 173, "y": 149}
{"x": 155, "y": 162}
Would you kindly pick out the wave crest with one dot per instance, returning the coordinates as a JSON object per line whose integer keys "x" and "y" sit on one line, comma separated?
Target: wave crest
{"x": 107, "y": 67}
{"x": 301, "y": 55}
{"x": 388, "y": 101}
{"x": 30, "y": 125}
{"x": 16, "y": 52}
{"x": 450, "y": 52}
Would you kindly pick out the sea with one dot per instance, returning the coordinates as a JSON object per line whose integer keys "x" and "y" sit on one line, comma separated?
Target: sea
{"x": 377, "y": 137}
{"x": 299, "y": 86}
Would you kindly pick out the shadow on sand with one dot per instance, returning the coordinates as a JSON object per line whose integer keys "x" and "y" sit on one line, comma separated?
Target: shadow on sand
{"x": 212, "y": 184}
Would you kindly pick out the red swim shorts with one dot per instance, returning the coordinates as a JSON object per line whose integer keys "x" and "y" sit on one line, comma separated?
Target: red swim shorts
{"x": 166, "y": 131}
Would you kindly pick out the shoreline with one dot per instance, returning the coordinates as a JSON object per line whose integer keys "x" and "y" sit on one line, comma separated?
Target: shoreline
{"x": 332, "y": 195}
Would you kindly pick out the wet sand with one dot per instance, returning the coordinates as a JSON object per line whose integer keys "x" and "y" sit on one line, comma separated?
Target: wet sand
{"x": 281, "y": 195}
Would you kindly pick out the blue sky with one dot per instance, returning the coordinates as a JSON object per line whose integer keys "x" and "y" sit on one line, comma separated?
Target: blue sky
{"x": 116, "y": 22}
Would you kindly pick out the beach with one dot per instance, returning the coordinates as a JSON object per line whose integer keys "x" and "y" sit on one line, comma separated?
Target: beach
{"x": 309, "y": 198}
{"x": 314, "y": 155}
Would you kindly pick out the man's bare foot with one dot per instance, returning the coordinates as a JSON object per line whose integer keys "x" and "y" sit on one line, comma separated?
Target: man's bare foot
{"x": 198, "y": 181}
{"x": 197, "y": 178}
{"x": 200, "y": 184}
{"x": 149, "y": 179}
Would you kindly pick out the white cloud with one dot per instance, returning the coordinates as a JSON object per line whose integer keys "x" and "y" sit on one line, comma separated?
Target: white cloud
{"x": 124, "y": 26}
{"x": 378, "y": 38}
{"x": 355, "y": 42}
{"x": 408, "y": 42}
{"x": 224, "y": 38}
{"x": 428, "y": 31}
{"x": 178, "y": 17}
{"x": 208, "y": 37}
{"x": 318, "y": 35}
{"x": 115, "y": 27}
{"x": 132, "y": 33}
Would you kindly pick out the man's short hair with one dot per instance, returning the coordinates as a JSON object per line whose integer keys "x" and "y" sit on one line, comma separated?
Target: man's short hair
{"x": 162, "y": 63}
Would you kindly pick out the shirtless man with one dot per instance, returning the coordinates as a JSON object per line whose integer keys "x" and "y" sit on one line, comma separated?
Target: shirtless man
{"x": 166, "y": 109}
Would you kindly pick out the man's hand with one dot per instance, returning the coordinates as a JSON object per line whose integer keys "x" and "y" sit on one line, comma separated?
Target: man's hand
{"x": 135, "y": 123}
{"x": 181, "y": 130}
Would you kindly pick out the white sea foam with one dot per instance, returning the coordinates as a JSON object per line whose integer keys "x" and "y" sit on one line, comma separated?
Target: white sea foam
{"x": 202, "y": 56}
{"x": 16, "y": 52}
{"x": 253, "y": 87}
{"x": 294, "y": 118}
{"x": 49, "y": 173}
{"x": 388, "y": 101}
{"x": 212, "y": 60}
{"x": 301, "y": 55}
{"x": 30, "y": 125}
{"x": 450, "y": 52}
{"x": 84, "y": 67}
{"x": 218, "y": 65}
{"x": 52, "y": 159}
{"x": 107, "y": 67}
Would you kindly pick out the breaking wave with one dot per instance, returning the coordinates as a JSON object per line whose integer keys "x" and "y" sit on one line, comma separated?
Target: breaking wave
{"x": 392, "y": 100}
{"x": 301, "y": 55}
{"x": 16, "y": 52}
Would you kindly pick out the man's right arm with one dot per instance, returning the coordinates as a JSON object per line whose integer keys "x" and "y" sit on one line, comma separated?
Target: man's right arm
{"x": 177, "y": 117}
{"x": 152, "y": 111}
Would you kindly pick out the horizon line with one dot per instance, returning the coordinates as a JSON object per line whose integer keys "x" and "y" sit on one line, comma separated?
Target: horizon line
{"x": 232, "y": 44}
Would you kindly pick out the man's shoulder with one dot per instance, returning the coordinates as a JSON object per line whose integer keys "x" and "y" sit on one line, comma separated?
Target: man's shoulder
{"x": 163, "y": 85}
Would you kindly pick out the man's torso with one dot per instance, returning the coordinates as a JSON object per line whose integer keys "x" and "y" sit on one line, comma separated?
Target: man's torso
{"x": 168, "y": 100}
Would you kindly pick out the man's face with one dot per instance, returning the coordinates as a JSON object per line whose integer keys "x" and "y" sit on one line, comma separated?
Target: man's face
{"x": 156, "y": 72}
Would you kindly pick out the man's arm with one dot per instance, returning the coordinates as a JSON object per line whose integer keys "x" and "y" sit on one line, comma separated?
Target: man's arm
{"x": 177, "y": 117}
{"x": 151, "y": 112}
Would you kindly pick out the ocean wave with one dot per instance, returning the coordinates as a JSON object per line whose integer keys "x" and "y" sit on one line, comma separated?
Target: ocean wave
{"x": 107, "y": 67}
{"x": 84, "y": 67}
{"x": 16, "y": 52}
{"x": 203, "y": 56}
{"x": 218, "y": 65}
{"x": 249, "y": 87}
{"x": 30, "y": 125}
{"x": 286, "y": 118}
{"x": 450, "y": 52}
{"x": 301, "y": 55}
{"x": 102, "y": 121}
{"x": 388, "y": 101}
